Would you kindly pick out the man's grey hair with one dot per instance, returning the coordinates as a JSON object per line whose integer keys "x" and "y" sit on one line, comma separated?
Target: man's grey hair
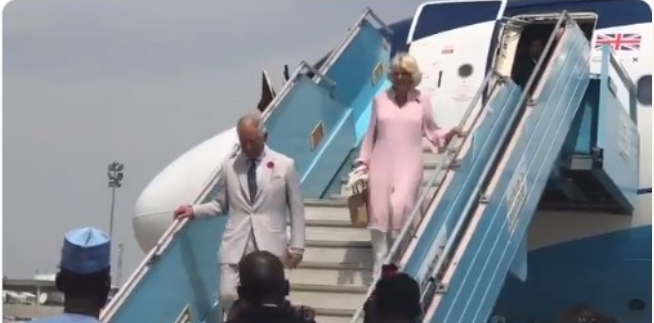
{"x": 255, "y": 118}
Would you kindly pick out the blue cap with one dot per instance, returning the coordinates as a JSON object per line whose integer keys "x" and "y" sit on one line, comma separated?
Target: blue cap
{"x": 86, "y": 251}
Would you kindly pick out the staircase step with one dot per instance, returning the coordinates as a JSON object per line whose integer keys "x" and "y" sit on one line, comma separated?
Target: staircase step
{"x": 331, "y": 223}
{"x": 331, "y": 274}
{"x": 328, "y": 297}
{"x": 337, "y": 244}
{"x": 337, "y": 233}
{"x": 334, "y": 316}
{"x": 334, "y": 319}
{"x": 318, "y": 203}
{"x": 344, "y": 253}
{"x": 328, "y": 213}
{"x": 432, "y": 159}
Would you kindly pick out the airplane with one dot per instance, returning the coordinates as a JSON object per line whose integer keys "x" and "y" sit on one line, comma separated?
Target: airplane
{"x": 576, "y": 255}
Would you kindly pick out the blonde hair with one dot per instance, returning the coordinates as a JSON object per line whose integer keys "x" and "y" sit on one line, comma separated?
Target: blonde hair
{"x": 406, "y": 62}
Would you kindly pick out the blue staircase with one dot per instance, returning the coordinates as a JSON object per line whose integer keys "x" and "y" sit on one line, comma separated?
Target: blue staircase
{"x": 582, "y": 126}
{"x": 313, "y": 120}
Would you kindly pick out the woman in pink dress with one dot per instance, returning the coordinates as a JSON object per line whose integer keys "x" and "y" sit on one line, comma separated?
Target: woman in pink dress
{"x": 392, "y": 150}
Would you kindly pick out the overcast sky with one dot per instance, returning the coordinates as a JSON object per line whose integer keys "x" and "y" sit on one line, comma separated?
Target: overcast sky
{"x": 90, "y": 81}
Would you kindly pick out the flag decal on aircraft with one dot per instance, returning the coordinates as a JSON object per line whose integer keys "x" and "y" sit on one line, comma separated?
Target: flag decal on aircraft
{"x": 619, "y": 42}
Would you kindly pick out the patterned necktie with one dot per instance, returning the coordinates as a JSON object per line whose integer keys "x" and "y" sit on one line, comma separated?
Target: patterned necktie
{"x": 252, "y": 179}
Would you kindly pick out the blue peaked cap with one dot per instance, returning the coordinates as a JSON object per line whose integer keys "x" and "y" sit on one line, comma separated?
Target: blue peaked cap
{"x": 86, "y": 251}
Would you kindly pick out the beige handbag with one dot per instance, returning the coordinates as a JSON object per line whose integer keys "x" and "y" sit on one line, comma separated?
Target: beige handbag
{"x": 357, "y": 203}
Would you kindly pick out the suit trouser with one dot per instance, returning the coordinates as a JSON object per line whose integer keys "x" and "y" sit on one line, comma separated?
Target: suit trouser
{"x": 229, "y": 279}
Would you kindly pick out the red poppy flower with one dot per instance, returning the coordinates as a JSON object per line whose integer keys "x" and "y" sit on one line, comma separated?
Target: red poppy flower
{"x": 270, "y": 165}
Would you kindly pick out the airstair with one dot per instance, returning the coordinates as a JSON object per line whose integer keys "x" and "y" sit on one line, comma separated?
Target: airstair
{"x": 576, "y": 131}
{"x": 476, "y": 201}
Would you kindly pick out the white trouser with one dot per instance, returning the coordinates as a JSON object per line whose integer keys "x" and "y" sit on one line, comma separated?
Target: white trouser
{"x": 229, "y": 279}
{"x": 381, "y": 243}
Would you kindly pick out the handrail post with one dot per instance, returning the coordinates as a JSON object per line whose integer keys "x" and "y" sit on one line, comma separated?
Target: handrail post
{"x": 321, "y": 76}
{"x": 382, "y": 24}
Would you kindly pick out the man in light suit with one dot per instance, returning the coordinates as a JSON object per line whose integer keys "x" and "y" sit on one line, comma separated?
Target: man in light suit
{"x": 261, "y": 187}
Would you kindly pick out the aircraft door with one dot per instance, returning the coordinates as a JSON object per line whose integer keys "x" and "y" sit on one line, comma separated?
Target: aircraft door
{"x": 452, "y": 42}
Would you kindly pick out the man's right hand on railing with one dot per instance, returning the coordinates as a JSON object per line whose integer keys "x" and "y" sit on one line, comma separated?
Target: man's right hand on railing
{"x": 183, "y": 212}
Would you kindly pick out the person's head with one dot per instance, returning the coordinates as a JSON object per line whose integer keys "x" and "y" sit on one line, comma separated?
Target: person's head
{"x": 251, "y": 134}
{"x": 397, "y": 299}
{"x": 85, "y": 272}
{"x": 262, "y": 279}
{"x": 536, "y": 48}
{"x": 404, "y": 72}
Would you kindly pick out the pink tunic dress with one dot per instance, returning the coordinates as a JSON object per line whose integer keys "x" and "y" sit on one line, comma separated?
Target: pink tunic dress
{"x": 393, "y": 149}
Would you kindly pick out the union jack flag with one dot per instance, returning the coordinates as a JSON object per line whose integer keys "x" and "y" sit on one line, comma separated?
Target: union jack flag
{"x": 619, "y": 42}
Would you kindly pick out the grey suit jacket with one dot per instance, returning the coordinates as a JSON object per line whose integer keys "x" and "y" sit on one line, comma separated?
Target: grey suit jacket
{"x": 279, "y": 195}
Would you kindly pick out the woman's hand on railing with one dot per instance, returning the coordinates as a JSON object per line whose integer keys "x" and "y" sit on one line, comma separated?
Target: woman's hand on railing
{"x": 359, "y": 165}
{"x": 456, "y": 131}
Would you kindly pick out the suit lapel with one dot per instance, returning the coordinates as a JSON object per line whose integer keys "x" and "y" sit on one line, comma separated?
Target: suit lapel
{"x": 267, "y": 167}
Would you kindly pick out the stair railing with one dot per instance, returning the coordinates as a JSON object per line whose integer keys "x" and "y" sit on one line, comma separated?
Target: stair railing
{"x": 433, "y": 283}
{"x": 407, "y": 233}
{"x": 155, "y": 253}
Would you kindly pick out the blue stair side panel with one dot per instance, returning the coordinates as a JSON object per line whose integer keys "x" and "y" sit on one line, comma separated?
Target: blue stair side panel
{"x": 360, "y": 69}
{"x": 499, "y": 111}
{"x": 618, "y": 133}
{"x": 290, "y": 126}
{"x": 481, "y": 271}
{"x": 184, "y": 275}
{"x": 583, "y": 133}
{"x": 358, "y": 73}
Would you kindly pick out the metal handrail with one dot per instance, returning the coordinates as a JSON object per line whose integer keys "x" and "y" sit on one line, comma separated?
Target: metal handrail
{"x": 163, "y": 242}
{"x": 440, "y": 262}
{"x": 451, "y": 153}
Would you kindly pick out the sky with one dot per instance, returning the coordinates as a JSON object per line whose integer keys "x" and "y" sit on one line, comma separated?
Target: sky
{"x": 87, "y": 82}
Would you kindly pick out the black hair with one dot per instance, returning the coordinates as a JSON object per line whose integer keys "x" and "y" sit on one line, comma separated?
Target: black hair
{"x": 94, "y": 286}
{"x": 397, "y": 297}
{"x": 262, "y": 278}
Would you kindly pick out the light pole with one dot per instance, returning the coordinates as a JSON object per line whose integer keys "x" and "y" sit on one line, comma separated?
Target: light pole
{"x": 115, "y": 174}
{"x": 119, "y": 269}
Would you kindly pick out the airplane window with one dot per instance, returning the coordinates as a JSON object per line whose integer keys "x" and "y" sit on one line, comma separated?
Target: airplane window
{"x": 465, "y": 70}
{"x": 644, "y": 90}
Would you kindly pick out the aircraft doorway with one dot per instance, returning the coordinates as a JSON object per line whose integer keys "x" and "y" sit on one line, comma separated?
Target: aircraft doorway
{"x": 525, "y": 34}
